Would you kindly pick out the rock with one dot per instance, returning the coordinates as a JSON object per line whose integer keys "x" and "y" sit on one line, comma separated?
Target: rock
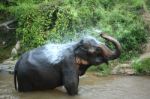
{"x": 9, "y": 61}
{"x": 4, "y": 42}
{"x": 14, "y": 53}
{"x": 15, "y": 50}
{"x": 8, "y": 66}
{"x": 129, "y": 71}
{"x": 145, "y": 55}
{"x": 17, "y": 46}
{"x": 125, "y": 69}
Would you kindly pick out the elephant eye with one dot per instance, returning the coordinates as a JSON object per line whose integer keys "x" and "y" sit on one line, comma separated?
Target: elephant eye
{"x": 86, "y": 46}
{"x": 98, "y": 50}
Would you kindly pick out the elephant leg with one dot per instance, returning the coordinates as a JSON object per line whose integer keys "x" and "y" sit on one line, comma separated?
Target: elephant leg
{"x": 27, "y": 87}
{"x": 71, "y": 81}
{"x": 24, "y": 85}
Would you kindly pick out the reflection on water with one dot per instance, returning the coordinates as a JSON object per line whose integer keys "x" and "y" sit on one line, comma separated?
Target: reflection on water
{"x": 91, "y": 87}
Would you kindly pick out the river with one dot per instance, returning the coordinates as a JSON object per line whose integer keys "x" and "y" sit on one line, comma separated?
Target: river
{"x": 91, "y": 87}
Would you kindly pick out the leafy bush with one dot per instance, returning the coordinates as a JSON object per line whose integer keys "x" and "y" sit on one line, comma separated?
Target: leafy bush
{"x": 101, "y": 70}
{"x": 142, "y": 66}
{"x": 59, "y": 21}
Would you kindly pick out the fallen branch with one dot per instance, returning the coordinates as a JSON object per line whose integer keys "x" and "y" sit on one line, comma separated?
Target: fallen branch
{"x": 7, "y": 23}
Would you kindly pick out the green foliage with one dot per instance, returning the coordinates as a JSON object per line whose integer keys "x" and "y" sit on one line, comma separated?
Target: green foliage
{"x": 30, "y": 29}
{"x": 60, "y": 21}
{"x": 142, "y": 66}
{"x": 127, "y": 27}
{"x": 147, "y": 4}
{"x": 101, "y": 69}
{"x": 2, "y": 6}
{"x": 5, "y": 53}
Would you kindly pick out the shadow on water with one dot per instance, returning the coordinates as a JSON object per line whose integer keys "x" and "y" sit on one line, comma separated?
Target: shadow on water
{"x": 91, "y": 87}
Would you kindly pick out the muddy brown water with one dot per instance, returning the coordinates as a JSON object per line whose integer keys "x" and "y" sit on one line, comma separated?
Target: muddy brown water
{"x": 91, "y": 87}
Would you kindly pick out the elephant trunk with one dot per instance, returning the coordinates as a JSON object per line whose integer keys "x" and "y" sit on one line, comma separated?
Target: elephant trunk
{"x": 107, "y": 53}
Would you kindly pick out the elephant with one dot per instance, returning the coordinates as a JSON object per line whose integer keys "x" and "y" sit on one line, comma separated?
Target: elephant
{"x": 53, "y": 65}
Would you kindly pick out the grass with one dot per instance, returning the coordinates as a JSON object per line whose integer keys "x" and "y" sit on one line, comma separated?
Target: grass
{"x": 102, "y": 70}
{"x": 142, "y": 66}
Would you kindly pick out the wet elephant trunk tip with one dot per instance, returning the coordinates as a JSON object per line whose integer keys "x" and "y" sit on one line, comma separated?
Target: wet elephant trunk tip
{"x": 107, "y": 52}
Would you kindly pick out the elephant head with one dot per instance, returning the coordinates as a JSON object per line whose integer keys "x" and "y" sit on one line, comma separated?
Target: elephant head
{"x": 92, "y": 52}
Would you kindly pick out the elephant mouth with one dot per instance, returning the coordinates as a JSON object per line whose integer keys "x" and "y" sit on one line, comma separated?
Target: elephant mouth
{"x": 81, "y": 64}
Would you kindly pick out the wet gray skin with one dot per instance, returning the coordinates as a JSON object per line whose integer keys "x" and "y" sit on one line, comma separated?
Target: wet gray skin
{"x": 91, "y": 87}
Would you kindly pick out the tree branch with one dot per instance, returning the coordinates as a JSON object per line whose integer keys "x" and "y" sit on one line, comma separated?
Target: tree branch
{"x": 7, "y": 23}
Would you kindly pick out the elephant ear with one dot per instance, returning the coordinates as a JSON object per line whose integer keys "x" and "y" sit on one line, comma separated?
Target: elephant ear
{"x": 81, "y": 51}
{"x": 81, "y": 54}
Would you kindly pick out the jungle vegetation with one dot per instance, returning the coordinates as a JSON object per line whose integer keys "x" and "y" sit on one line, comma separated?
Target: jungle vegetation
{"x": 57, "y": 21}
